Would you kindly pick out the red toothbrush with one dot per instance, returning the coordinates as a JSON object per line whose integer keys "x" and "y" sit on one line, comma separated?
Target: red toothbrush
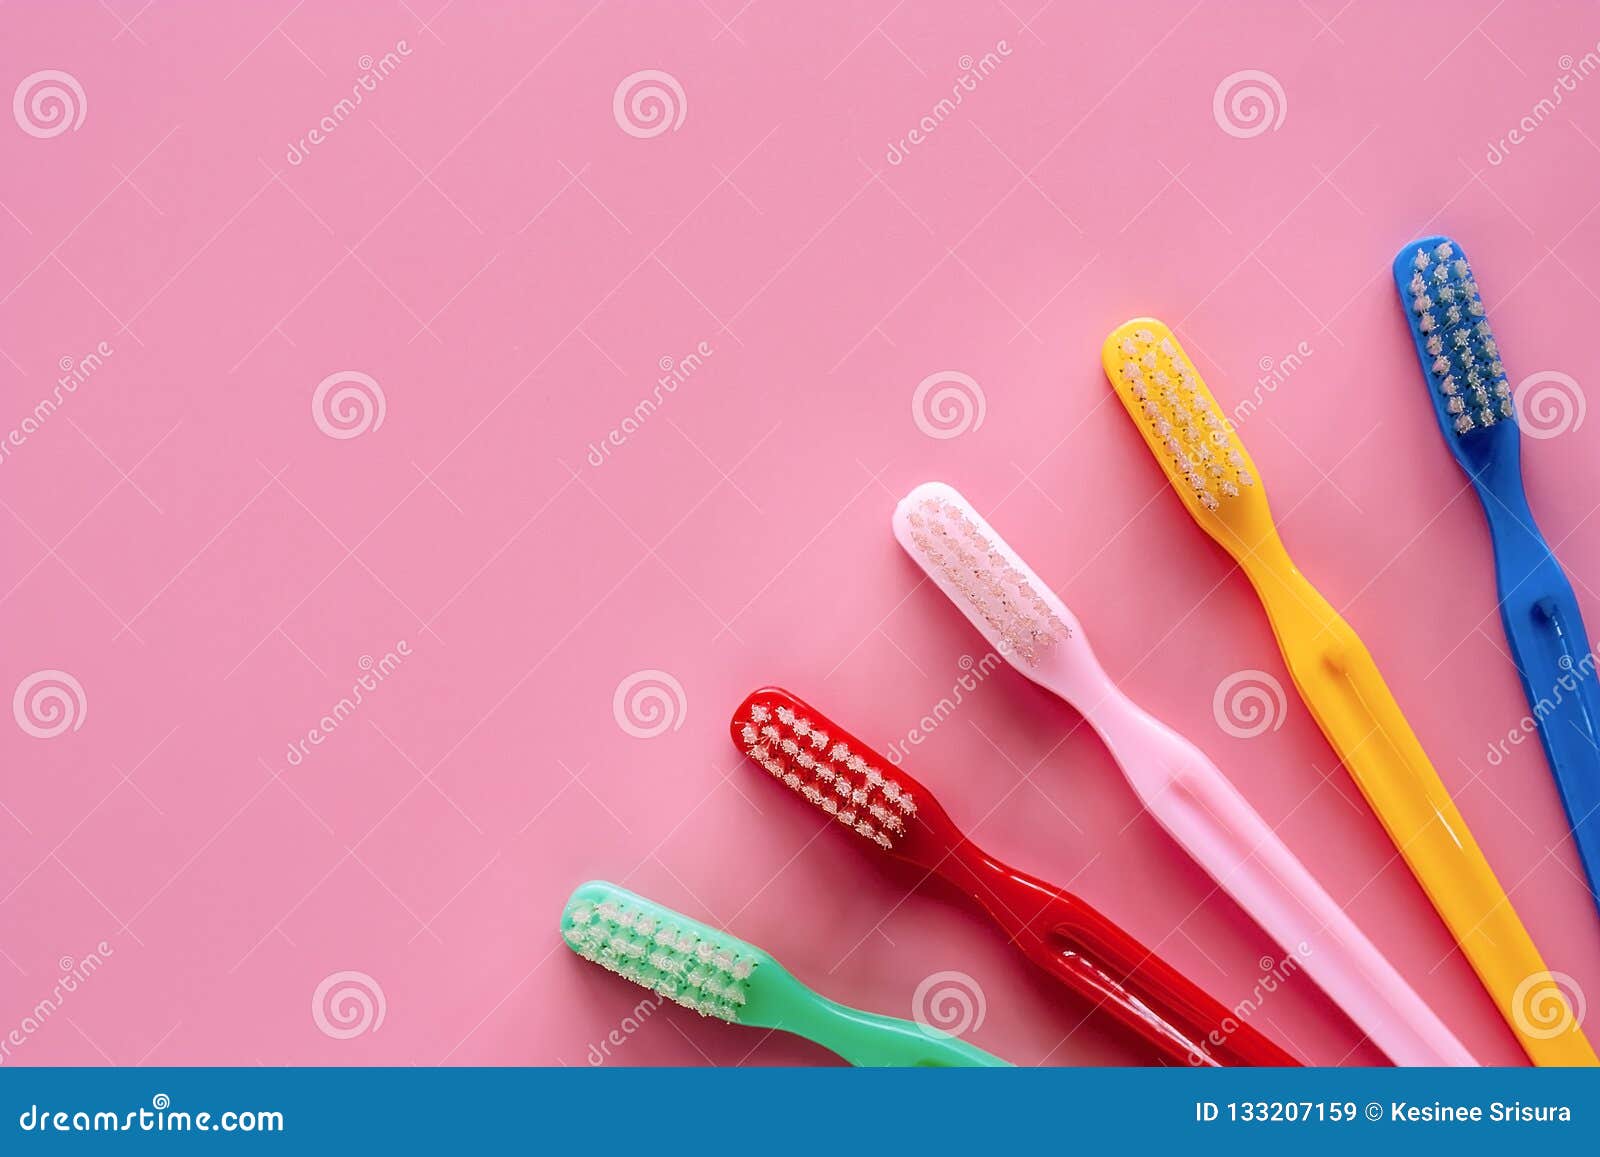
{"x": 1066, "y": 937}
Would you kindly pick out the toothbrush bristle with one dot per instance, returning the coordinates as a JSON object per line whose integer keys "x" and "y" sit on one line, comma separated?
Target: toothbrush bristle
{"x": 679, "y": 959}
{"x": 1458, "y": 349}
{"x": 848, "y": 783}
{"x": 975, "y": 569}
{"x": 1162, "y": 390}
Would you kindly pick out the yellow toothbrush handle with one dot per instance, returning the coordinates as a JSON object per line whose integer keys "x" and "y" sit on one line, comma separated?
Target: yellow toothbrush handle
{"x": 1340, "y": 683}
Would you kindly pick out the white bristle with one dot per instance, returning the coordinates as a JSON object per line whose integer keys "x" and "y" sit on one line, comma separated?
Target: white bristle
{"x": 688, "y": 964}
{"x": 1189, "y": 423}
{"x": 1457, "y": 344}
{"x": 851, "y": 788}
{"x": 981, "y": 574}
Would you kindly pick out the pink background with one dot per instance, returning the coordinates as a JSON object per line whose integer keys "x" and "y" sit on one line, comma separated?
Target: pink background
{"x": 484, "y": 240}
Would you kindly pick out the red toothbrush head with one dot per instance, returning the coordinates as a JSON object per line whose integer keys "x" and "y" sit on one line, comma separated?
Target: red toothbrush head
{"x": 843, "y": 777}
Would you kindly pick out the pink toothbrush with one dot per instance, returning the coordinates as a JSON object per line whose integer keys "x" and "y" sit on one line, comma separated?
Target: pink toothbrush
{"x": 1188, "y": 796}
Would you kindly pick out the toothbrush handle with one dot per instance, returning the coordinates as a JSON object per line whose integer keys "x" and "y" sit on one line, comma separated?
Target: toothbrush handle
{"x": 1555, "y": 662}
{"x": 869, "y": 1039}
{"x": 1367, "y": 730}
{"x": 1201, "y": 809}
{"x": 1105, "y": 965}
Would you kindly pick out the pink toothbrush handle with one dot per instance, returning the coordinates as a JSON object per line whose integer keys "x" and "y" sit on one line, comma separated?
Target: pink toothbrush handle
{"x": 1197, "y": 805}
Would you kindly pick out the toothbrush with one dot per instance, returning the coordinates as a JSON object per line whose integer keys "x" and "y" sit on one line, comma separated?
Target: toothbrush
{"x": 1467, "y": 381}
{"x": 1027, "y": 624}
{"x": 1214, "y": 476}
{"x": 843, "y": 777}
{"x": 718, "y": 975}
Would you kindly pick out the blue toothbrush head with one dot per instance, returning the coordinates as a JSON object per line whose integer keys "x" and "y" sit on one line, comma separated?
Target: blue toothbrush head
{"x": 1457, "y": 350}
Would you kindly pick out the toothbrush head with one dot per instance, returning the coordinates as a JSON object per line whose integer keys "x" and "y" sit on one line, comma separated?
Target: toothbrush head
{"x": 1018, "y": 614}
{"x": 1186, "y": 430}
{"x": 681, "y": 960}
{"x": 841, "y": 776}
{"x": 1459, "y": 356}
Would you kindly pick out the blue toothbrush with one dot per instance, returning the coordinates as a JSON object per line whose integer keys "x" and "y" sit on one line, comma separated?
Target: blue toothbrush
{"x": 1549, "y": 645}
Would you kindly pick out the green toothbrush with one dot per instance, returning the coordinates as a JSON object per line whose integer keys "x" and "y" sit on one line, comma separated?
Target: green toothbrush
{"x": 719, "y": 975}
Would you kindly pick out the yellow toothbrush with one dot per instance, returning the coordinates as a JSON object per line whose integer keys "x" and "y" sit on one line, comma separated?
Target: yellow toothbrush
{"x": 1210, "y": 469}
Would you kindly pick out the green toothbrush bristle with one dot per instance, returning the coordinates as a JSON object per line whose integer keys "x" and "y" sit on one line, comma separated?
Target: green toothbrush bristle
{"x": 680, "y": 959}
{"x": 1463, "y": 360}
